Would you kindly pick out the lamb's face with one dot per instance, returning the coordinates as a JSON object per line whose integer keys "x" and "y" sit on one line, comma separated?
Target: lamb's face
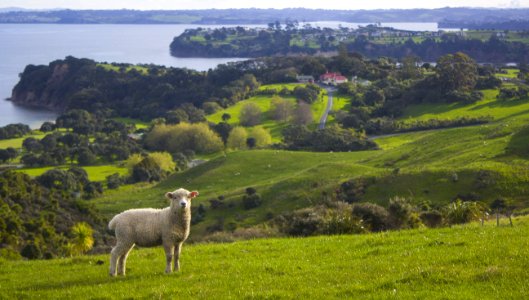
{"x": 181, "y": 198}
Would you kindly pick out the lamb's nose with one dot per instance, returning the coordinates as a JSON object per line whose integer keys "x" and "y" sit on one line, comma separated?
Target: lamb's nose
{"x": 183, "y": 204}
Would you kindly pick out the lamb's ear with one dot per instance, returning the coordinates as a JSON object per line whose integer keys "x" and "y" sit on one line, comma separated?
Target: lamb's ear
{"x": 193, "y": 194}
{"x": 169, "y": 195}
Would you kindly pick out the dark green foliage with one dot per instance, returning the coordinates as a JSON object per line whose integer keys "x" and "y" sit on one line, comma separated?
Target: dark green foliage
{"x": 306, "y": 94}
{"x": 331, "y": 138}
{"x": 252, "y": 199}
{"x": 352, "y": 190}
{"x": 147, "y": 170}
{"x": 432, "y": 219}
{"x": 47, "y": 127}
{"x": 13, "y": 131}
{"x": 374, "y": 216}
{"x": 35, "y": 220}
{"x": 402, "y": 214}
{"x": 332, "y": 218}
{"x": 84, "y": 85}
{"x": 8, "y": 154}
{"x": 86, "y": 157}
{"x": 114, "y": 181}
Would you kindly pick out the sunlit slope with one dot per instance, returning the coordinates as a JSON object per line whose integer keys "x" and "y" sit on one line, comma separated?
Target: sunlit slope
{"x": 468, "y": 262}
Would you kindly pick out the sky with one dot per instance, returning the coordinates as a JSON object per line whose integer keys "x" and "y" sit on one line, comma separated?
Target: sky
{"x": 204, "y": 4}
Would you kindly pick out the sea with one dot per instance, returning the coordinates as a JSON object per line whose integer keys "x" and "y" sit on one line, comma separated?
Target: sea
{"x": 24, "y": 44}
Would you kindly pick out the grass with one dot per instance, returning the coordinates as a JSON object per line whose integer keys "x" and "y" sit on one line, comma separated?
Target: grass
{"x": 489, "y": 106}
{"x": 463, "y": 262}
{"x": 109, "y": 67}
{"x": 95, "y": 173}
{"x": 17, "y": 142}
{"x": 138, "y": 123}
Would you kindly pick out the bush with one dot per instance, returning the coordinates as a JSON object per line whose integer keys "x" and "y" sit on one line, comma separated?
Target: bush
{"x": 179, "y": 138}
{"x": 251, "y": 201}
{"x": 432, "y": 218}
{"x": 147, "y": 170}
{"x": 402, "y": 214}
{"x": 459, "y": 212}
{"x": 374, "y": 216}
{"x": 352, "y": 190}
{"x": 250, "y": 114}
{"x": 114, "y": 181}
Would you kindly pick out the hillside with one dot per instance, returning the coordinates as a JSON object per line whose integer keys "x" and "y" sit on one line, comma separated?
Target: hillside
{"x": 483, "y": 162}
{"x": 462, "y": 262}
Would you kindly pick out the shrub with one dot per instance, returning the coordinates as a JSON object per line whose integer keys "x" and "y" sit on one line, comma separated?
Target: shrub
{"x": 402, "y": 214}
{"x": 374, "y": 216}
{"x": 237, "y": 138}
{"x": 250, "y": 114}
{"x": 352, "y": 190}
{"x": 114, "y": 181}
{"x": 431, "y": 218}
{"x": 82, "y": 238}
{"x": 147, "y": 170}
{"x": 459, "y": 212}
{"x": 179, "y": 138}
{"x": 261, "y": 136}
{"x": 251, "y": 201}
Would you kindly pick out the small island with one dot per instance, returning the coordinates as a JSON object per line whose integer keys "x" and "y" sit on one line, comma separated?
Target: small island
{"x": 291, "y": 38}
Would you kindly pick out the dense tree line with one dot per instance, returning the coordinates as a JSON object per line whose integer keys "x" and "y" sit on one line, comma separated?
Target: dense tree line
{"x": 37, "y": 215}
{"x": 84, "y": 84}
{"x": 110, "y": 142}
{"x": 13, "y": 131}
{"x": 276, "y": 41}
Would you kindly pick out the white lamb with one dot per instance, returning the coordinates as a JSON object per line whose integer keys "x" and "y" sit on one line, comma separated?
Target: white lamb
{"x": 153, "y": 227}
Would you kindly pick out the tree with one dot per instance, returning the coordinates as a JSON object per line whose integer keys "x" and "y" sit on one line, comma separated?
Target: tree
{"x": 237, "y": 138}
{"x": 226, "y": 117}
{"x": 183, "y": 137}
{"x": 303, "y": 114}
{"x": 47, "y": 127}
{"x": 457, "y": 72}
{"x": 261, "y": 136}
{"x": 164, "y": 160}
{"x": 306, "y": 94}
{"x": 281, "y": 109}
{"x": 250, "y": 114}
{"x": 86, "y": 157}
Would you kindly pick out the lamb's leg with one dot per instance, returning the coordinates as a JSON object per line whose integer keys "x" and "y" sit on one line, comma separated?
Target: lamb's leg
{"x": 168, "y": 257}
{"x": 177, "y": 250}
{"x": 115, "y": 254}
{"x": 122, "y": 261}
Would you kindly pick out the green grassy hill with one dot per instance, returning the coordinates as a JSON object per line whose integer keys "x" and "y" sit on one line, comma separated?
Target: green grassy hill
{"x": 462, "y": 262}
{"x": 264, "y": 103}
{"x": 482, "y": 162}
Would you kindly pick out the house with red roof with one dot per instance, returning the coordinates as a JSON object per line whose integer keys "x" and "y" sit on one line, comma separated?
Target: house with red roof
{"x": 332, "y": 78}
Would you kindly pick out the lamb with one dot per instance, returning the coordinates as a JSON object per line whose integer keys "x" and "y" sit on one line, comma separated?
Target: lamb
{"x": 150, "y": 227}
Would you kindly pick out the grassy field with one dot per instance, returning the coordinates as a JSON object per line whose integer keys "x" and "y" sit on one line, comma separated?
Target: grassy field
{"x": 462, "y": 262}
{"x": 17, "y": 142}
{"x": 264, "y": 103}
{"x": 95, "y": 173}
{"x": 489, "y": 106}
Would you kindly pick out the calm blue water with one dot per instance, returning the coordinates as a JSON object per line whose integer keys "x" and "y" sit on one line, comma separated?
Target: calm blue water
{"x": 23, "y": 44}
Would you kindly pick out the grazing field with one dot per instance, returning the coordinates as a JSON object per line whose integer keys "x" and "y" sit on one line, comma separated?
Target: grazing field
{"x": 95, "y": 173}
{"x": 462, "y": 262}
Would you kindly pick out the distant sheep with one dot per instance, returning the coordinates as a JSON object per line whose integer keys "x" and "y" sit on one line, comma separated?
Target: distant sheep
{"x": 150, "y": 227}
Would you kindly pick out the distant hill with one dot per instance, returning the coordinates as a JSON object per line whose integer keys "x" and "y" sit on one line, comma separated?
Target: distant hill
{"x": 258, "y": 16}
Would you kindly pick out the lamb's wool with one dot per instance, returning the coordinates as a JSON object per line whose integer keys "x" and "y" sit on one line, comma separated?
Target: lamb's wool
{"x": 149, "y": 227}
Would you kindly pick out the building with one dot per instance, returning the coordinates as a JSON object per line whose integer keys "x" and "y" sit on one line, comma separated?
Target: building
{"x": 332, "y": 78}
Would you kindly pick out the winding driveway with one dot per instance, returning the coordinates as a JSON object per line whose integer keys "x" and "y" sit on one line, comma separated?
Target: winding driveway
{"x": 323, "y": 118}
